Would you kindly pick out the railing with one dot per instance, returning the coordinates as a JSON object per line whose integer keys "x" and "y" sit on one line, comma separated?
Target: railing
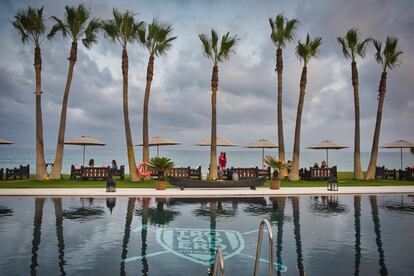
{"x": 259, "y": 247}
{"x": 218, "y": 257}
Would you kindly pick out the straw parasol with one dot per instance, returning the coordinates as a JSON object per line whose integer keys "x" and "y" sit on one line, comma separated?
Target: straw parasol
{"x": 160, "y": 141}
{"x": 85, "y": 141}
{"x": 222, "y": 142}
{"x": 262, "y": 144}
{"x": 399, "y": 144}
{"x": 327, "y": 145}
{"x": 5, "y": 142}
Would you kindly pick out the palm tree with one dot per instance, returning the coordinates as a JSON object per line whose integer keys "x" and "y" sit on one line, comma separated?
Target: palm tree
{"x": 351, "y": 48}
{"x": 217, "y": 53}
{"x": 389, "y": 58}
{"x": 158, "y": 41}
{"x": 304, "y": 51}
{"x": 31, "y": 27}
{"x": 75, "y": 25}
{"x": 282, "y": 33}
{"x": 123, "y": 29}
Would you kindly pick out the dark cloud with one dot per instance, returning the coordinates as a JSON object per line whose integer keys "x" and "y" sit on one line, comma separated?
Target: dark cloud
{"x": 180, "y": 98}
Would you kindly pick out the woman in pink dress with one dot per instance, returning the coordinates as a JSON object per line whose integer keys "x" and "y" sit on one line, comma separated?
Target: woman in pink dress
{"x": 222, "y": 160}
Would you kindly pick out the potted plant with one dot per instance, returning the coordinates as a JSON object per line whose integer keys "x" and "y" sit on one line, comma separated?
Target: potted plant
{"x": 276, "y": 166}
{"x": 160, "y": 165}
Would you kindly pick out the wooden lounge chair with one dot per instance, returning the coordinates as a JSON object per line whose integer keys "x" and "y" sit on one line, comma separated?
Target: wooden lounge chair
{"x": 21, "y": 172}
{"x": 384, "y": 173}
{"x": 407, "y": 174}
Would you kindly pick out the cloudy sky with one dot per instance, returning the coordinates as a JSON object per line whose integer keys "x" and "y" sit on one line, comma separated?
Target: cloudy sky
{"x": 180, "y": 98}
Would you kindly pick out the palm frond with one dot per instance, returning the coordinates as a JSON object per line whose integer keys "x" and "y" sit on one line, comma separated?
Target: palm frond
{"x": 30, "y": 24}
{"x": 90, "y": 32}
{"x": 309, "y": 49}
{"x": 227, "y": 46}
{"x": 283, "y": 30}
{"x": 344, "y": 46}
{"x": 378, "y": 54}
{"x": 207, "y": 50}
{"x": 59, "y": 26}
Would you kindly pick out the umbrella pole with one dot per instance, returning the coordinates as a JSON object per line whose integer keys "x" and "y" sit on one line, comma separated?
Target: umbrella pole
{"x": 262, "y": 158}
{"x": 327, "y": 158}
{"x": 158, "y": 151}
{"x": 84, "y": 155}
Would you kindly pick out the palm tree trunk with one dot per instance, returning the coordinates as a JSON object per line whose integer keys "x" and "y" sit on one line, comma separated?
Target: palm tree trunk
{"x": 357, "y": 148}
{"x": 130, "y": 150}
{"x": 279, "y": 238}
{"x": 59, "y": 234}
{"x": 127, "y": 233}
{"x": 294, "y": 173}
{"x": 145, "y": 138}
{"x": 357, "y": 224}
{"x": 374, "y": 151}
{"x": 213, "y": 234}
{"x": 281, "y": 142}
{"x": 41, "y": 172}
{"x": 378, "y": 240}
{"x": 57, "y": 165}
{"x": 298, "y": 240}
{"x": 37, "y": 227}
{"x": 144, "y": 232}
{"x": 213, "y": 148}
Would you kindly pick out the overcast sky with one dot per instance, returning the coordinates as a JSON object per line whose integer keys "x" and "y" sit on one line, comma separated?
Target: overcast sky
{"x": 180, "y": 104}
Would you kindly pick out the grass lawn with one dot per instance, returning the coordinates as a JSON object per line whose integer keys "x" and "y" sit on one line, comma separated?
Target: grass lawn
{"x": 344, "y": 179}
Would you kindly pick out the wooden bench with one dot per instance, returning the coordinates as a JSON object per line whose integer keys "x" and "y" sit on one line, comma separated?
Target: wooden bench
{"x": 95, "y": 173}
{"x": 384, "y": 173}
{"x": 119, "y": 172}
{"x": 21, "y": 172}
{"x": 183, "y": 172}
{"x": 407, "y": 174}
{"x": 247, "y": 173}
{"x": 318, "y": 173}
{"x": 75, "y": 172}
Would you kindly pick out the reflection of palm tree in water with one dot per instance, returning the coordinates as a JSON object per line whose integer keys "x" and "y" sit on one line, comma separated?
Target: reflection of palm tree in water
{"x": 59, "y": 233}
{"x": 279, "y": 207}
{"x": 357, "y": 224}
{"x": 376, "y": 220}
{"x": 144, "y": 222}
{"x": 213, "y": 215}
{"x": 296, "y": 222}
{"x": 37, "y": 225}
{"x": 127, "y": 232}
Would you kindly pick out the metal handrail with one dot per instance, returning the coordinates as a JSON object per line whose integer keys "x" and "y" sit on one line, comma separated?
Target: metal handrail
{"x": 218, "y": 257}
{"x": 259, "y": 247}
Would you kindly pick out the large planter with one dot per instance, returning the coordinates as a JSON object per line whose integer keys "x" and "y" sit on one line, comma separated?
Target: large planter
{"x": 274, "y": 184}
{"x": 160, "y": 185}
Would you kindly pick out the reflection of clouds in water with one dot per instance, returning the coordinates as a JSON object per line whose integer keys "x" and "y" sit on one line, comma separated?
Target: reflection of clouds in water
{"x": 84, "y": 214}
{"x": 5, "y": 212}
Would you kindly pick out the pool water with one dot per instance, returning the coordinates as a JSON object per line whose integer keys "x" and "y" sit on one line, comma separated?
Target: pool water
{"x": 338, "y": 235}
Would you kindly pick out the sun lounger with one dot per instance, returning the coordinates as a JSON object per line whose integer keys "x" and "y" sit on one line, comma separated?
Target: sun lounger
{"x": 407, "y": 174}
{"x": 21, "y": 172}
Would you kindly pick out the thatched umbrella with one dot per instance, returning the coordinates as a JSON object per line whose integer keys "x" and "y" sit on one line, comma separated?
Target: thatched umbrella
{"x": 85, "y": 141}
{"x": 222, "y": 142}
{"x": 399, "y": 144}
{"x": 160, "y": 141}
{"x": 262, "y": 144}
{"x": 327, "y": 145}
{"x": 5, "y": 141}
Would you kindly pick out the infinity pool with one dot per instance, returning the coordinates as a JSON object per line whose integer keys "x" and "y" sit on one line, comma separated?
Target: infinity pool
{"x": 345, "y": 235}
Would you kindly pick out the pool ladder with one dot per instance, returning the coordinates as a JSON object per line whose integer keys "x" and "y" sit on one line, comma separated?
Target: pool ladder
{"x": 219, "y": 255}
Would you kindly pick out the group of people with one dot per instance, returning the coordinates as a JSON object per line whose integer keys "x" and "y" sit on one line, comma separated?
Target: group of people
{"x": 114, "y": 165}
{"x": 323, "y": 165}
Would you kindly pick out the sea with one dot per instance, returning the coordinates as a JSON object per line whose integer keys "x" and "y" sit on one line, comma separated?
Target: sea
{"x": 11, "y": 157}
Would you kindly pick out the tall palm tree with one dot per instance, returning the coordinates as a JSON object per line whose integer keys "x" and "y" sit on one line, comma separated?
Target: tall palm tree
{"x": 283, "y": 31}
{"x": 217, "y": 53}
{"x": 31, "y": 27}
{"x": 124, "y": 29}
{"x": 305, "y": 51}
{"x": 76, "y": 26}
{"x": 389, "y": 58}
{"x": 158, "y": 41}
{"x": 351, "y": 48}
